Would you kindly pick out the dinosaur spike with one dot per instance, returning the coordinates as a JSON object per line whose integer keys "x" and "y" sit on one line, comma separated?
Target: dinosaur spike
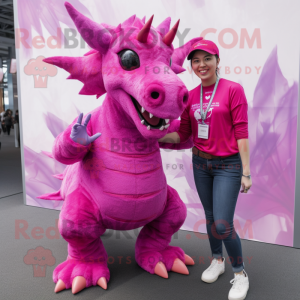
{"x": 177, "y": 69}
{"x": 179, "y": 55}
{"x": 164, "y": 26}
{"x": 119, "y": 27}
{"x": 169, "y": 37}
{"x": 90, "y": 30}
{"x": 90, "y": 52}
{"x": 128, "y": 22}
{"x": 86, "y": 69}
{"x": 59, "y": 176}
{"x": 52, "y": 196}
{"x": 138, "y": 23}
{"x": 144, "y": 19}
{"x": 108, "y": 26}
{"x": 143, "y": 34}
{"x": 86, "y": 91}
{"x": 61, "y": 62}
{"x": 49, "y": 154}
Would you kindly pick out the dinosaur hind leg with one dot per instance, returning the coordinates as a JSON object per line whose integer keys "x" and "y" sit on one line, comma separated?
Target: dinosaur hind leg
{"x": 152, "y": 251}
{"x": 80, "y": 225}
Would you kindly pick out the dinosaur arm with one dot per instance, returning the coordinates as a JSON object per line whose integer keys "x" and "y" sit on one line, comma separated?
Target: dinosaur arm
{"x": 65, "y": 150}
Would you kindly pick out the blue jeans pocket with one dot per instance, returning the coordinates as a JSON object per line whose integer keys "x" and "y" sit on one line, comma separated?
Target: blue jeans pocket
{"x": 233, "y": 163}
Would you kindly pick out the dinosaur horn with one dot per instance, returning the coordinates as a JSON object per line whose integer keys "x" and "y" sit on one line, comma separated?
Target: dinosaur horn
{"x": 143, "y": 34}
{"x": 169, "y": 37}
{"x": 96, "y": 36}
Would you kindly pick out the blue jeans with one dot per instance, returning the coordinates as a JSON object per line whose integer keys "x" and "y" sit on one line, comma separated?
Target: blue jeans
{"x": 218, "y": 184}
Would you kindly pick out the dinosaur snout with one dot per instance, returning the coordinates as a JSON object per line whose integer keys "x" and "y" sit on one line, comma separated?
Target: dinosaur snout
{"x": 154, "y": 95}
{"x": 183, "y": 97}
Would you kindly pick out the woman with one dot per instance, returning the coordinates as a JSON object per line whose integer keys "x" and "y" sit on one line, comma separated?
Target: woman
{"x": 220, "y": 158}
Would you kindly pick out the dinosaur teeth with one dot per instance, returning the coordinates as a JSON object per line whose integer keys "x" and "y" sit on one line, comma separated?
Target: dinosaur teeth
{"x": 166, "y": 126}
{"x": 143, "y": 121}
{"x": 143, "y": 110}
{"x": 148, "y": 127}
{"x": 150, "y": 115}
{"x": 167, "y": 121}
{"x": 161, "y": 128}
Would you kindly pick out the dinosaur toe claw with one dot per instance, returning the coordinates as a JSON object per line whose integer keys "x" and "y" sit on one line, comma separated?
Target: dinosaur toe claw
{"x": 188, "y": 260}
{"x": 102, "y": 282}
{"x": 78, "y": 284}
{"x": 160, "y": 270}
{"x": 180, "y": 267}
{"x": 60, "y": 286}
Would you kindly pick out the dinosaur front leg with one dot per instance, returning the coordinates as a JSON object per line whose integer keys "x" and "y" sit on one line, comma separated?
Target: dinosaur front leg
{"x": 80, "y": 225}
{"x": 152, "y": 251}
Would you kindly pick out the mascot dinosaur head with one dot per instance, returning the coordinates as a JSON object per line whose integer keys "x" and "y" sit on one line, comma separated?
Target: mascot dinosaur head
{"x": 136, "y": 65}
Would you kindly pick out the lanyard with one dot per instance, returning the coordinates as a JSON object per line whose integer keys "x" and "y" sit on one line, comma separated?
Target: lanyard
{"x": 203, "y": 114}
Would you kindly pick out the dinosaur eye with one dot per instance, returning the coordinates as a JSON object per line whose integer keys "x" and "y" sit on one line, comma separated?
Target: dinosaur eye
{"x": 170, "y": 61}
{"x": 129, "y": 60}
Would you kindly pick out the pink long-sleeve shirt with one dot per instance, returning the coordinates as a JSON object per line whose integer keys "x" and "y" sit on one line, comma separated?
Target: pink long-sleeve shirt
{"x": 227, "y": 118}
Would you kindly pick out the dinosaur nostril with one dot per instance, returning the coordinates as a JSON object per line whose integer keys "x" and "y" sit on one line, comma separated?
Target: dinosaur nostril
{"x": 154, "y": 95}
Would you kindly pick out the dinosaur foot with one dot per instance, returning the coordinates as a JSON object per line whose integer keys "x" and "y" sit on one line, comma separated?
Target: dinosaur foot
{"x": 160, "y": 262}
{"x": 78, "y": 275}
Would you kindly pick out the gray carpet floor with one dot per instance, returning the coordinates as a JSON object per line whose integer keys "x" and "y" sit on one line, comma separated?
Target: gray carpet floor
{"x": 273, "y": 270}
{"x": 10, "y": 166}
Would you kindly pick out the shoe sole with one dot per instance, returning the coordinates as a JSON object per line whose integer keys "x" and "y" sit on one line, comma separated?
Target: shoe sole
{"x": 213, "y": 280}
{"x": 240, "y": 298}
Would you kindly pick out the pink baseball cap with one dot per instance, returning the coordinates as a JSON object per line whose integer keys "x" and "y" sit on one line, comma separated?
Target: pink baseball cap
{"x": 204, "y": 45}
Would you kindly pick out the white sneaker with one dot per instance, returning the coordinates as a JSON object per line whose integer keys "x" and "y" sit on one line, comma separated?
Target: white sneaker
{"x": 240, "y": 287}
{"x": 216, "y": 268}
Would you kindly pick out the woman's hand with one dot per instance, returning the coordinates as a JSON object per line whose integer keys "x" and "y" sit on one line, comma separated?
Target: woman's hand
{"x": 246, "y": 184}
{"x": 172, "y": 137}
{"x": 79, "y": 134}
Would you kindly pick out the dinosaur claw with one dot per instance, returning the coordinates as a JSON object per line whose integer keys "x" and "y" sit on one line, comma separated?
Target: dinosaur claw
{"x": 188, "y": 260}
{"x": 78, "y": 284}
{"x": 60, "y": 286}
{"x": 160, "y": 270}
{"x": 102, "y": 283}
{"x": 179, "y": 267}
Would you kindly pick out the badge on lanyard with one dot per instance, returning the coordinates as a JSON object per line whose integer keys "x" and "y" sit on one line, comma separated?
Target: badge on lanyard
{"x": 203, "y": 129}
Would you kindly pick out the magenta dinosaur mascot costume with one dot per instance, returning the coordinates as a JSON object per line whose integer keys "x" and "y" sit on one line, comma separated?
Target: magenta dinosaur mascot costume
{"x": 117, "y": 181}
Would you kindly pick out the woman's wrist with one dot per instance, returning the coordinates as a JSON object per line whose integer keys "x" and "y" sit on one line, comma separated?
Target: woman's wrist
{"x": 246, "y": 169}
{"x": 246, "y": 172}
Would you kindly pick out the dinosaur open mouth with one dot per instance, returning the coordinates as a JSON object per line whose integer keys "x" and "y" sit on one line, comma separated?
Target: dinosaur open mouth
{"x": 148, "y": 119}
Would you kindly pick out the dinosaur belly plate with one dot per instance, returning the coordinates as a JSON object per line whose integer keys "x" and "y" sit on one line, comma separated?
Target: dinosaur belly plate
{"x": 133, "y": 187}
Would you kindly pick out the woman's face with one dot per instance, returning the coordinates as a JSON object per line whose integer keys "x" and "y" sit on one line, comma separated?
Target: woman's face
{"x": 204, "y": 65}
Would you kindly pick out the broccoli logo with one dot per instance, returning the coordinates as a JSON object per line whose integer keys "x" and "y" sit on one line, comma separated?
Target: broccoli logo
{"x": 39, "y": 258}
